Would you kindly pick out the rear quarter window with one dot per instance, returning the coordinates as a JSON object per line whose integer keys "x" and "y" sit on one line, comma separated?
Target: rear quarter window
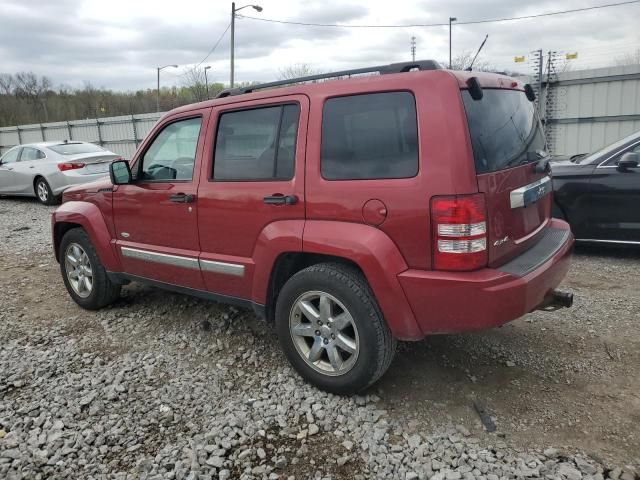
{"x": 370, "y": 136}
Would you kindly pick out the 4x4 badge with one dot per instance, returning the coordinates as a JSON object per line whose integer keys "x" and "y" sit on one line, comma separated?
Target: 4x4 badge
{"x": 501, "y": 241}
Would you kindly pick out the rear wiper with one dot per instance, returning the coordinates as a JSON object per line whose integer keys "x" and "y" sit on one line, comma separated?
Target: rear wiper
{"x": 543, "y": 165}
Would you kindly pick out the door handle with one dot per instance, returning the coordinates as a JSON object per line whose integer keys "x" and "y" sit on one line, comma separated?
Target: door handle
{"x": 280, "y": 199}
{"x": 182, "y": 198}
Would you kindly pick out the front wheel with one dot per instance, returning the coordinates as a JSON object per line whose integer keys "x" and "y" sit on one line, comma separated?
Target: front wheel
{"x": 83, "y": 274}
{"x": 332, "y": 330}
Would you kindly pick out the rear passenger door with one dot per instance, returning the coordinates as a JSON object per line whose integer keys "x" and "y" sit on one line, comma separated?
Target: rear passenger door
{"x": 254, "y": 179}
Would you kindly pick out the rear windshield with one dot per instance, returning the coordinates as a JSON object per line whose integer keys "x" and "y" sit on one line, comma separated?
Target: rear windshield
{"x": 76, "y": 148}
{"x": 504, "y": 128}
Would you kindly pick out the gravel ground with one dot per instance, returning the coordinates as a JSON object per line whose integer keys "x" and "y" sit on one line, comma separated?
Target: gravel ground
{"x": 165, "y": 386}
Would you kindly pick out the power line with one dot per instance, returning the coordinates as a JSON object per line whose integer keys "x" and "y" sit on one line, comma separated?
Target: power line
{"x": 422, "y": 25}
{"x": 212, "y": 50}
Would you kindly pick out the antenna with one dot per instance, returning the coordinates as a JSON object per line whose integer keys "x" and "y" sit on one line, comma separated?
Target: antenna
{"x": 413, "y": 49}
{"x": 470, "y": 67}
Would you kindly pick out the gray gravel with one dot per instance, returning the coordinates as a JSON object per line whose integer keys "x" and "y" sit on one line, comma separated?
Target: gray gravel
{"x": 165, "y": 386}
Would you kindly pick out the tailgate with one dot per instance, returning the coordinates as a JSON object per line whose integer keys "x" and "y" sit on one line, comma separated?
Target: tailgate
{"x": 518, "y": 210}
{"x": 508, "y": 143}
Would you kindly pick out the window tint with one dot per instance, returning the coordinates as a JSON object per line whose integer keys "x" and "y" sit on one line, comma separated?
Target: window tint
{"x": 29, "y": 153}
{"x": 11, "y": 156}
{"x": 172, "y": 154}
{"x": 370, "y": 136}
{"x": 257, "y": 144}
{"x": 505, "y": 131}
{"x": 76, "y": 148}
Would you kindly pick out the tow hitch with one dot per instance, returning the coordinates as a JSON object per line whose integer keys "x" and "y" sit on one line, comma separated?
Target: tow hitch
{"x": 555, "y": 300}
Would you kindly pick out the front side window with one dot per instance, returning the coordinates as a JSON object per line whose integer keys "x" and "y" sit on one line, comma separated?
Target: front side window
{"x": 29, "y": 153}
{"x": 11, "y": 156}
{"x": 172, "y": 155}
{"x": 256, "y": 144}
{"x": 369, "y": 136}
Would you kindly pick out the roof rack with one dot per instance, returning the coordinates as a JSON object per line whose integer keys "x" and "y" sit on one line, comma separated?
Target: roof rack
{"x": 381, "y": 69}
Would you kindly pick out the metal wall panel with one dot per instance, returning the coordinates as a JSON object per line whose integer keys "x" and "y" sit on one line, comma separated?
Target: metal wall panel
{"x": 594, "y": 108}
{"x": 121, "y": 135}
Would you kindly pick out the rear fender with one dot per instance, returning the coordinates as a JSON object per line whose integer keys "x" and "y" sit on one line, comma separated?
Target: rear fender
{"x": 274, "y": 240}
{"x": 88, "y": 216}
{"x": 378, "y": 258}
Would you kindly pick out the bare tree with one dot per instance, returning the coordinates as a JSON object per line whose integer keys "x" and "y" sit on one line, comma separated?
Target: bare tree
{"x": 632, "y": 58}
{"x": 194, "y": 80}
{"x": 463, "y": 60}
{"x": 7, "y": 84}
{"x": 34, "y": 89}
{"x": 296, "y": 70}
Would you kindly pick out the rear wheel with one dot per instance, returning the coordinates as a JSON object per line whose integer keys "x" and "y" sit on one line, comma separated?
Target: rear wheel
{"x": 44, "y": 193}
{"x": 83, "y": 274}
{"x": 331, "y": 328}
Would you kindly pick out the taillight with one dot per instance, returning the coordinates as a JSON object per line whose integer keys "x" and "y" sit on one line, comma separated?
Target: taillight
{"x": 63, "y": 167}
{"x": 459, "y": 226}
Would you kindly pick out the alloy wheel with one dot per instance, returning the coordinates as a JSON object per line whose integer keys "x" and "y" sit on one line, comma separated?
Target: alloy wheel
{"x": 43, "y": 192}
{"x": 79, "y": 271}
{"x": 324, "y": 333}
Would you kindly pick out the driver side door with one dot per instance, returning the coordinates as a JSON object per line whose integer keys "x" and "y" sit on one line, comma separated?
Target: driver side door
{"x": 155, "y": 217}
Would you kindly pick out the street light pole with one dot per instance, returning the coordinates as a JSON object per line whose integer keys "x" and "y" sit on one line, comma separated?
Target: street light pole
{"x": 257, "y": 8}
{"x": 206, "y": 82}
{"x": 158, "y": 89}
{"x": 451, "y": 19}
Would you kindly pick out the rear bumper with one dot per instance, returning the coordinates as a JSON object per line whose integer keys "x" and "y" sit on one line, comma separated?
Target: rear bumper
{"x": 446, "y": 302}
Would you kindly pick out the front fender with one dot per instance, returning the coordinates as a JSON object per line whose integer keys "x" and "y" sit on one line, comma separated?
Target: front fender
{"x": 88, "y": 216}
{"x": 378, "y": 258}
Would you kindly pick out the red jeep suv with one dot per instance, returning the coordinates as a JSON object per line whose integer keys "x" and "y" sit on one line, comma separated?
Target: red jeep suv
{"x": 350, "y": 213}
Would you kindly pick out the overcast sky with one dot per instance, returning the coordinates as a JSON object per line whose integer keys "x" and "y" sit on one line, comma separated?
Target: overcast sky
{"x": 118, "y": 43}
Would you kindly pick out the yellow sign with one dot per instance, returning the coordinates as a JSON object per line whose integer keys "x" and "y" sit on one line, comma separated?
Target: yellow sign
{"x": 572, "y": 56}
{"x": 519, "y": 59}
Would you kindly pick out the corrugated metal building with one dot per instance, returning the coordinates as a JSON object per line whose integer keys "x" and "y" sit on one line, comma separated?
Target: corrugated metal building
{"x": 593, "y": 108}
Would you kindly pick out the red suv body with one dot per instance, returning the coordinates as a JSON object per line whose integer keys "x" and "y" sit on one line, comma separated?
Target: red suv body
{"x": 432, "y": 203}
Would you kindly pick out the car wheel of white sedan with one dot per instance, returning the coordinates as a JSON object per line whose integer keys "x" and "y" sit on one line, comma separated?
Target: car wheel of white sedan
{"x": 44, "y": 193}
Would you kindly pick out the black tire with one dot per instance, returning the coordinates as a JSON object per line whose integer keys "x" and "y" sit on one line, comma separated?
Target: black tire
{"x": 376, "y": 344}
{"x": 103, "y": 291}
{"x": 43, "y": 192}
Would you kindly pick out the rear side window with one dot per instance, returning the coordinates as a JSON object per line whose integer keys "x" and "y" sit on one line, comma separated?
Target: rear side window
{"x": 369, "y": 136}
{"x": 29, "y": 153}
{"x": 76, "y": 148}
{"x": 504, "y": 128}
{"x": 257, "y": 144}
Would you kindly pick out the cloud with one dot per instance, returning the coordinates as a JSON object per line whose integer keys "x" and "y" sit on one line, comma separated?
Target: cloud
{"x": 118, "y": 44}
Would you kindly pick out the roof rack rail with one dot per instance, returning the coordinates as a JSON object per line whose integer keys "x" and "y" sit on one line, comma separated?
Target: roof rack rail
{"x": 382, "y": 69}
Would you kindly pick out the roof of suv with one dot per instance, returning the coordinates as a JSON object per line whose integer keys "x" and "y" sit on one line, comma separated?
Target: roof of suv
{"x": 293, "y": 86}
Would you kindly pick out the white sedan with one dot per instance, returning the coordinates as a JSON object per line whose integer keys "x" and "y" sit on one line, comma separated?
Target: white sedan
{"x": 45, "y": 170}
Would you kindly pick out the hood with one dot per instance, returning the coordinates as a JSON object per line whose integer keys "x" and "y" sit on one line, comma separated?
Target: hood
{"x": 79, "y": 192}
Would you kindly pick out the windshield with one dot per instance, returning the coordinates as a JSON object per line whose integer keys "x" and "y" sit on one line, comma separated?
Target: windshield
{"x": 504, "y": 128}
{"x": 76, "y": 148}
{"x": 609, "y": 149}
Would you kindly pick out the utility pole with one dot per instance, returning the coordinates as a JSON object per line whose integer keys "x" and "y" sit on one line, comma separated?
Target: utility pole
{"x": 257, "y": 8}
{"x": 413, "y": 49}
{"x": 206, "y": 82}
{"x": 451, "y": 20}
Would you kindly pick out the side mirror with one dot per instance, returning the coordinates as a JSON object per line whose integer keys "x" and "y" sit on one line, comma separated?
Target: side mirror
{"x": 627, "y": 161}
{"x": 120, "y": 172}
